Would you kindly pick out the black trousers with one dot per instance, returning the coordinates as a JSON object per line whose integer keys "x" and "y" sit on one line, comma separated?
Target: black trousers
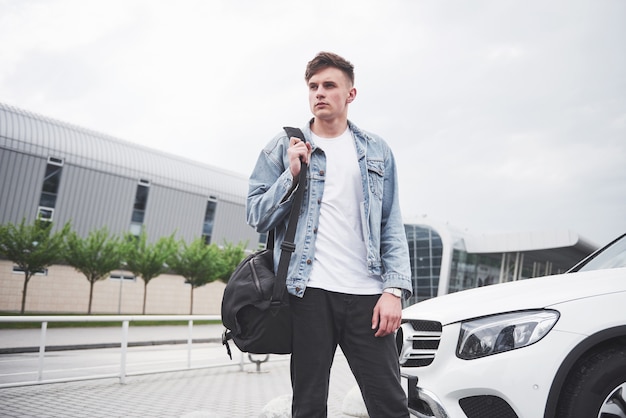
{"x": 322, "y": 321}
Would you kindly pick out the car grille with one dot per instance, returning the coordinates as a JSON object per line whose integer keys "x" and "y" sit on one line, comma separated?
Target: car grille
{"x": 486, "y": 406}
{"x": 418, "y": 342}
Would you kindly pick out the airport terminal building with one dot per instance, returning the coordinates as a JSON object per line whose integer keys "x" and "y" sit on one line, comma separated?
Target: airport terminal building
{"x": 446, "y": 260}
{"x": 64, "y": 173}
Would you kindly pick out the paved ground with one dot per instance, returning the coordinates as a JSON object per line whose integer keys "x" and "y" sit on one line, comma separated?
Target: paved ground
{"x": 219, "y": 392}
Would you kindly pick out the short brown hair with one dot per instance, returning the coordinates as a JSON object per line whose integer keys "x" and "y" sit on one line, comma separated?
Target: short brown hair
{"x": 328, "y": 59}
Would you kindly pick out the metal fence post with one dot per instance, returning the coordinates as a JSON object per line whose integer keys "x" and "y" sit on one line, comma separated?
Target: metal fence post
{"x": 189, "y": 343}
{"x": 42, "y": 350}
{"x": 124, "y": 349}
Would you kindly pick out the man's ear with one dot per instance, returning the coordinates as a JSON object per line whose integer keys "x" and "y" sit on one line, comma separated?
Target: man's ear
{"x": 351, "y": 95}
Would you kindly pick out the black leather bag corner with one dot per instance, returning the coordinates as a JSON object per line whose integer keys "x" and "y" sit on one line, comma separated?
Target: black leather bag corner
{"x": 255, "y": 305}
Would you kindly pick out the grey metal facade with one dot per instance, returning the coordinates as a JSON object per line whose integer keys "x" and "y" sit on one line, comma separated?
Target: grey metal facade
{"x": 99, "y": 179}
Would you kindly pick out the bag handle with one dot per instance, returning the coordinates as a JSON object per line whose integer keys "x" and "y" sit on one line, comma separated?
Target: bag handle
{"x": 288, "y": 245}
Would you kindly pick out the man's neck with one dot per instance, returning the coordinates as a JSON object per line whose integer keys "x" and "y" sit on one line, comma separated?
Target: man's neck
{"x": 329, "y": 129}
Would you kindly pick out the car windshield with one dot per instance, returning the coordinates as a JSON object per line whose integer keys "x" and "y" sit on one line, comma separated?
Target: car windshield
{"x": 610, "y": 257}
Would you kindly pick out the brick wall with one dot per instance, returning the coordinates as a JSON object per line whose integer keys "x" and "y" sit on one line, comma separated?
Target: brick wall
{"x": 64, "y": 290}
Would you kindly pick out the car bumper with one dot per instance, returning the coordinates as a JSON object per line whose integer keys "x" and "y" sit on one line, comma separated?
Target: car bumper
{"x": 506, "y": 385}
{"x": 422, "y": 403}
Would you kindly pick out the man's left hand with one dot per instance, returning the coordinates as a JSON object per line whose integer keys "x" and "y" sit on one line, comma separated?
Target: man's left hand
{"x": 387, "y": 315}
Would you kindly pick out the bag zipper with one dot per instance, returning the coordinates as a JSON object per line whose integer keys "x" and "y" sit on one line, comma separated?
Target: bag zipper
{"x": 255, "y": 278}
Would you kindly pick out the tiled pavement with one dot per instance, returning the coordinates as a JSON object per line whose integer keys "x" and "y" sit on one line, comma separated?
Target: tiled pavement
{"x": 219, "y": 392}
{"x": 206, "y": 393}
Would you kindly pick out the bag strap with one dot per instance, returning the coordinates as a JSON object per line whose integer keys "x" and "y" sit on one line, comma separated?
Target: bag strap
{"x": 288, "y": 245}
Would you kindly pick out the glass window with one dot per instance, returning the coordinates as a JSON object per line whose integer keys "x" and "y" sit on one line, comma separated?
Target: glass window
{"x": 45, "y": 214}
{"x": 139, "y": 207}
{"x": 52, "y": 178}
{"x": 50, "y": 188}
{"x": 141, "y": 197}
{"x": 19, "y": 270}
{"x": 209, "y": 218}
{"x": 425, "y": 254}
{"x": 124, "y": 277}
{"x": 47, "y": 200}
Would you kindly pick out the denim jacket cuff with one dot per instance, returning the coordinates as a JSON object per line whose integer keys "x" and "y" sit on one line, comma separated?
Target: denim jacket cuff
{"x": 399, "y": 281}
{"x": 289, "y": 185}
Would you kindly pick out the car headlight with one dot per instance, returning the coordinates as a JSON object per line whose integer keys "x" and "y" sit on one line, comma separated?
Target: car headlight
{"x": 499, "y": 333}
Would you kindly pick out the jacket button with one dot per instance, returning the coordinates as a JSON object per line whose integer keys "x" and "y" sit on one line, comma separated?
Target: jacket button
{"x": 322, "y": 172}
{"x": 298, "y": 289}
{"x": 315, "y": 230}
{"x": 319, "y": 201}
{"x": 308, "y": 261}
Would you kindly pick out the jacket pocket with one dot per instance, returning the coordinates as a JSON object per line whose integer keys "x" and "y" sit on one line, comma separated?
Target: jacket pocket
{"x": 375, "y": 177}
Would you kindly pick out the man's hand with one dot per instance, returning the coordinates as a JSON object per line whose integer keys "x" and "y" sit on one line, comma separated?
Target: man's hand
{"x": 387, "y": 315}
{"x": 297, "y": 152}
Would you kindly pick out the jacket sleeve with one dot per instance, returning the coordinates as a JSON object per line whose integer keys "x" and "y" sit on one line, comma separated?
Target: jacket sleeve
{"x": 393, "y": 243}
{"x": 269, "y": 188}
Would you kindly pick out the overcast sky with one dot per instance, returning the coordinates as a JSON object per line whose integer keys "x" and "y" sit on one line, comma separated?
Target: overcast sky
{"x": 503, "y": 115}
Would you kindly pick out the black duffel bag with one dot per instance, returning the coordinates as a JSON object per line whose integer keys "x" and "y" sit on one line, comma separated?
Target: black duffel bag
{"x": 255, "y": 305}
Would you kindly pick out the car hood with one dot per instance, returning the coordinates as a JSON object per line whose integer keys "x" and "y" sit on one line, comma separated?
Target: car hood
{"x": 537, "y": 293}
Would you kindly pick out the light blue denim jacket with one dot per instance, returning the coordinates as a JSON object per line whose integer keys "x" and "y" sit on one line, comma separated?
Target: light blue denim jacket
{"x": 269, "y": 203}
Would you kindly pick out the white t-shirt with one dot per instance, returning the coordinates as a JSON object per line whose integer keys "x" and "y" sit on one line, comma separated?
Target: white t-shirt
{"x": 340, "y": 263}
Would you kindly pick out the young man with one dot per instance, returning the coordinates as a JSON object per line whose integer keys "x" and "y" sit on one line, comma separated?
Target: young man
{"x": 351, "y": 264}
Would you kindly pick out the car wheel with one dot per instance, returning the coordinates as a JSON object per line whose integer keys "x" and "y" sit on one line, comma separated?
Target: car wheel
{"x": 596, "y": 387}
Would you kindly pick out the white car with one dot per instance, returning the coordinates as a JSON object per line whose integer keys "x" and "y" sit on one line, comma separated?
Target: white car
{"x": 546, "y": 347}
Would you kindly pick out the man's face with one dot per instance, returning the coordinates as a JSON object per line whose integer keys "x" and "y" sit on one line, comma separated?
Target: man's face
{"x": 330, "y": 91}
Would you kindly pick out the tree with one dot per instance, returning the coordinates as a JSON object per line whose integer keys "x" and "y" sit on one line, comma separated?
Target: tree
{"x": 95, "y": 256}
{"x": 149, "y": 260}
{"x": 199, "y": 264}
{"x": 232, "y": 256}
{"x": 32, "y": 247}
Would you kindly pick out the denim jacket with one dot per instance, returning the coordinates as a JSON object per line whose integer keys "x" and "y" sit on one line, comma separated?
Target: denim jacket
{"x": 269, "y": 202}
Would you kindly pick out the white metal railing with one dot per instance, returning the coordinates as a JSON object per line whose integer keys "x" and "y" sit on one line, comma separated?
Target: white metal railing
{"x": 125, "y": 321}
